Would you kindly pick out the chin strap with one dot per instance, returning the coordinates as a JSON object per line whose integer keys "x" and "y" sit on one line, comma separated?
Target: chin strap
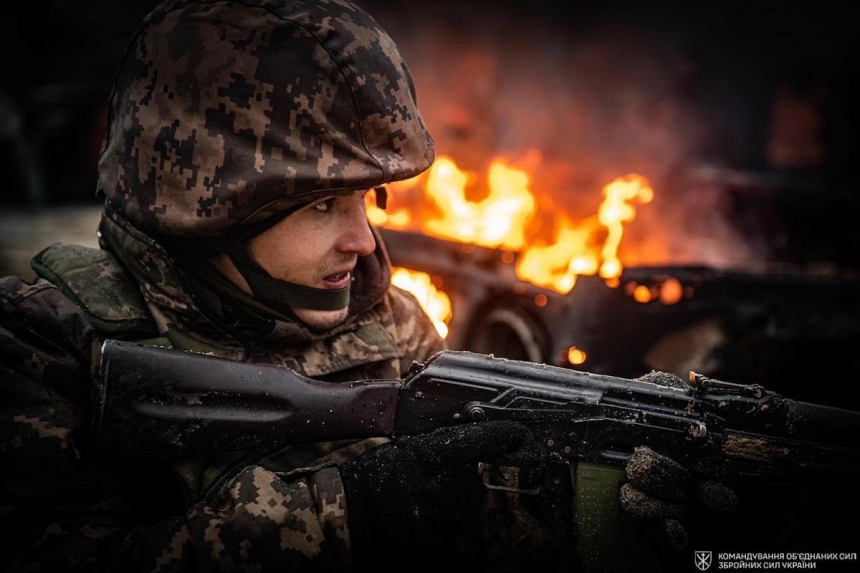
{"x": 282, "y": 295}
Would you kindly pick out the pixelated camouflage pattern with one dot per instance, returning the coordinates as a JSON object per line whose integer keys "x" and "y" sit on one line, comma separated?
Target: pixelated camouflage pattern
{"x": 36, "y": 313}
{"x": 261, "y": 522}
{"x": 224, "y": 112}
{"x": 379, "y": 341}
{"x": 327, "y": 488}
{"x": 46, "y": 343}
{"x": 95, "y": 281}
{"x": 318, "y": 526}
{"x": 48, "y": 339}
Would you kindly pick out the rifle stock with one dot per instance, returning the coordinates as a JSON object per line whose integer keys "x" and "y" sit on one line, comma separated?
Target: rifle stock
{"x": 158, "y": 404}
{"x": 163, "y": 404}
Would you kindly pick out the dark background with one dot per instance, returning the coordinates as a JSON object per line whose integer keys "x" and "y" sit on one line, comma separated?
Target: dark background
{"x": 598, "y": 88}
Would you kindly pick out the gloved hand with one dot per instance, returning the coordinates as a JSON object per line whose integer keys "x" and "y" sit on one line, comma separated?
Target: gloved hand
{"x": 416, "y": 502}
{"x": 661, "y": 490}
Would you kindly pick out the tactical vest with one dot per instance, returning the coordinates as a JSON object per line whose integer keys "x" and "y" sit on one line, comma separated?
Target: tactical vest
{"x": 96, "y": 282}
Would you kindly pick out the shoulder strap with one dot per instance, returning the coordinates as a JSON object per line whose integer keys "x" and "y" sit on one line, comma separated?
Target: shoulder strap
{"x": 96, "y": 282}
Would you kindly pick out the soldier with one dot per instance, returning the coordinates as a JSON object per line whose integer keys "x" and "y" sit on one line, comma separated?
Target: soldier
{"x": 242, "y": 140}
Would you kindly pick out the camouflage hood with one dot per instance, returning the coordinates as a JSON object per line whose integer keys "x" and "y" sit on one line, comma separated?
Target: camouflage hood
{"x": 185, "y": 316}
{"x": 223, "y": 113}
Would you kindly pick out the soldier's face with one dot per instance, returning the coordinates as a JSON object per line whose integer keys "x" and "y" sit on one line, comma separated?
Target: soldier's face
{"x": 317, "y": 246}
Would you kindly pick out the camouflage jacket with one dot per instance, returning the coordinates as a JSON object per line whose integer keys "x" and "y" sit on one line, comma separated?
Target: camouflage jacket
{"x": 64, "y": 510}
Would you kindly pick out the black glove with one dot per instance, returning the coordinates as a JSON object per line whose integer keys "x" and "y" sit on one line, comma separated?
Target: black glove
{"x": 663, "y": 491}
{"x": 416, "y": 502}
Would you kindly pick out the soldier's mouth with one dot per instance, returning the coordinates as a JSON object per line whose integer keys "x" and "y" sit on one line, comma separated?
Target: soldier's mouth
{"x": 338, "y": 280}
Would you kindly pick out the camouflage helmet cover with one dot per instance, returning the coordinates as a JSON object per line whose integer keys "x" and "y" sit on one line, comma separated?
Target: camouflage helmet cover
{"x": 224, "y": 112}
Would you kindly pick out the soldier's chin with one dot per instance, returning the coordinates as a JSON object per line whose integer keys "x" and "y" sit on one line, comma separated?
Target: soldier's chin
{"x": 321, "y": 319}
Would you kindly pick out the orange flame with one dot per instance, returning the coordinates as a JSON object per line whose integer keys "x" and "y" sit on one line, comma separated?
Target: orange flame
{"x": 435, "y": 303}
{"x": 435, "y": 203}
{"x": 574, "y": 251}
{"x": 499, "y": 220}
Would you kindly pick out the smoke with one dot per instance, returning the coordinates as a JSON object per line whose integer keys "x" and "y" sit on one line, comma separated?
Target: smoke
{"x": 577, "y": 98}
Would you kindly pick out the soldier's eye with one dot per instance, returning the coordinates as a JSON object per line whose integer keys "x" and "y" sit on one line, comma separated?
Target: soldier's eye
{"x": 325, "y": 205}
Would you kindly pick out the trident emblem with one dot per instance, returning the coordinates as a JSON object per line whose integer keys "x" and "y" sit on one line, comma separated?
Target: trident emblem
{"x": 703, "y": 560}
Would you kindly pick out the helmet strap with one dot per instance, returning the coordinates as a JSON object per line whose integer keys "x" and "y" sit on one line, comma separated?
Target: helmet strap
{"x": 279, "y": 295}
{"x": 282, "y": 295}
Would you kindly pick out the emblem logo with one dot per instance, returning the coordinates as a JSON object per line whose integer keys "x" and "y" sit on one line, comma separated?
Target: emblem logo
{"x": 703, "y": 560}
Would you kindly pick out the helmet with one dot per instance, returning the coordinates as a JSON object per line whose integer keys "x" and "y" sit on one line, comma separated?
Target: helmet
{"x": 224, "y": 113}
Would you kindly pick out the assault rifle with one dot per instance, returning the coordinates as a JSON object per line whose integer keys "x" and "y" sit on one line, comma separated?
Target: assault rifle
{"x": 187, "y": 403}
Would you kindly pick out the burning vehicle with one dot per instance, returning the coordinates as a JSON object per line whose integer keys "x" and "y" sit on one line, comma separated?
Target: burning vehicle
{"x": 511, "y": 275}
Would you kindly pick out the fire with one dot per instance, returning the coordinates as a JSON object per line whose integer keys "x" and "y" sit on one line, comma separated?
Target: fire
{"x": 501, "y": 220}
{"x": 435, "y": 303}
{"x": 395, "y": 216}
